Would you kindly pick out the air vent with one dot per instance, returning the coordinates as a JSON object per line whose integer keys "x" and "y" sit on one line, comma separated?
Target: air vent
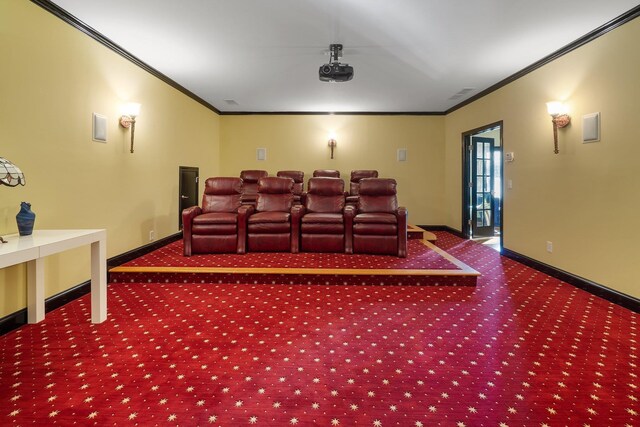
{"x": 462, "y": 92}
{"x": 231, "y": 102}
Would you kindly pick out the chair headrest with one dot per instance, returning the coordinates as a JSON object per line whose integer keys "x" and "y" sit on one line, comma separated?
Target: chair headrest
{"x": 331, "y": 173}
{"x": 222, "y": 186}
{"x": 357, "y": 175}
{"x": 297, "y": 176}
{"x": 378, "y": 187}
{"x": 324, "y": 186}
{"x": 275, "y": 185}
{"x": 253, "y": 175}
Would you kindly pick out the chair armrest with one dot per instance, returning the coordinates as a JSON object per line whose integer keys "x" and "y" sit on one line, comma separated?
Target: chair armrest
{"x": 189, "y": 213}
{"x": 297, "y": 212}
{"x": 244, "y": 212}
{"x": 402, "y": 215}
{"x": 187, "y": 219}
{"x": 348, "y": 213}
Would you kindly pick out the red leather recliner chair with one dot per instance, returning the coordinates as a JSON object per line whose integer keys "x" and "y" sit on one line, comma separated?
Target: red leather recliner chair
{"x": 271, "y": 228}
{"x": 354, "y": 183}
{"x": 322, "y": 225}
{"x": 378, "y": 225}
{"x": 220, "y": 225}
{"x": 250, "y": 180}
{"x": 330, "y": 173}
{"x": 298, "y": 183}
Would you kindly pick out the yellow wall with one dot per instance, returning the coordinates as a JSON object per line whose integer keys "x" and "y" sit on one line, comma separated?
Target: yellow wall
{"x": 53, "y": 78}
{"x": 364, "y": 142}
{"x": 586, "y": 199}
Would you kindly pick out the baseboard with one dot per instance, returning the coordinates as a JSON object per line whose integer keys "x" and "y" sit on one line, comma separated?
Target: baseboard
{"x": 443, "y": 228}
{"x": 65, "y": 297}
{"x": 597, "y": 289}
{"x": 15, "y": 320}
{"x": 19, "y": 318}
{"x": 142, "y": 250}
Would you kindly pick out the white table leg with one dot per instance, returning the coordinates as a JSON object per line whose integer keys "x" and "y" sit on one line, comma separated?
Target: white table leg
{"x": 98, "y": 281}
{"x": 35, "y": 290}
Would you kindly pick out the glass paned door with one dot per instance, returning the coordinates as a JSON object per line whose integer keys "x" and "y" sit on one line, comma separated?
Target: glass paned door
{"x": 482, "y": 176}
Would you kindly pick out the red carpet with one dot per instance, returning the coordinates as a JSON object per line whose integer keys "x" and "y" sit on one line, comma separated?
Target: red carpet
{"x": 419, "y": 256}
{"x": 519, "y": 349}
{"x": 425, "y": 265}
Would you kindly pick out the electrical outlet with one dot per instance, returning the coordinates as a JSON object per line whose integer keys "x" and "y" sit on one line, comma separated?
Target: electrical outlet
{"x": 549, "y": 246}
{"x": 152, "y": 236}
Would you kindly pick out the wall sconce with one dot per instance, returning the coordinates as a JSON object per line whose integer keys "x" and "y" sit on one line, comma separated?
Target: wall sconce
{"x": 10, "y": 175}
{"x": 559, "y": 117}
{"x": 332, "y": 143}
{"x": 128, "y": 120}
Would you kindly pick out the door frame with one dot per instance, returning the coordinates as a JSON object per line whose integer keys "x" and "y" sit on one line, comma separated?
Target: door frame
{"x": 466, "y": 177}
{"x": 489, "y": 229}
{"x": 180, "y": 183}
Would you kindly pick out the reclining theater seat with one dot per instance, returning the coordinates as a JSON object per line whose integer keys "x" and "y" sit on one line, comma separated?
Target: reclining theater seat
{"x": 298, "y": 183}
{"x": 354, "y": 183}
{"x": 250, "y": 180}
{"x": 269, "y": 228}
{"x": 378, "y": 225}
{"x": 329, "y": 173}
{"x": 220, "y": 225}
{"x": 322, "y": 216}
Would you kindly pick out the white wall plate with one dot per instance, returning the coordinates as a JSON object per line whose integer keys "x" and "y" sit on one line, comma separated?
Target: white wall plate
{"x": 591, "y": 127}
{"x": 99, "y": 127}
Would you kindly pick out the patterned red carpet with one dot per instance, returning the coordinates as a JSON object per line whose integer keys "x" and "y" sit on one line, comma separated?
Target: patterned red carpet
{"x": 519, "y": 349}
{"x": 419, "y": 257}
{"x": 424, "y": 265}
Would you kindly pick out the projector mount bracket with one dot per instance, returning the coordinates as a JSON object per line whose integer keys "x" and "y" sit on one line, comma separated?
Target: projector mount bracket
{"x": 335, "y": 50}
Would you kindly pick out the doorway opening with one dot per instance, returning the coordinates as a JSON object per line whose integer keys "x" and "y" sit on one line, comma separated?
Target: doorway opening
{"x": 188, "y": 190}
{"x": 482, "y": 185}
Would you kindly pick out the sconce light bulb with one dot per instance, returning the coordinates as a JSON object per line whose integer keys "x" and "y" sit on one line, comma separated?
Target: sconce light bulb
{"x": 131, "y": 109}
{"x": 556, "y": 108}
{"x": 332, "y": 143}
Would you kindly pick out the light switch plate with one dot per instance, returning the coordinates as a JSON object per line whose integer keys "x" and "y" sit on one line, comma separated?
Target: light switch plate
{"x": 591, "y": 127}
{"x": 99, "y": 127}
{"x": 261, "y": 154}
{"x": 402, "y": 154}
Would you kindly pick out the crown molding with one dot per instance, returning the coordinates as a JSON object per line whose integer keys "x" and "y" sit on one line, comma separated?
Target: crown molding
{"x": 589, "y": 37}
{"x": 100, "y": 38}
{"x": 341, "y": 113}
{"x": 78, "y": 24}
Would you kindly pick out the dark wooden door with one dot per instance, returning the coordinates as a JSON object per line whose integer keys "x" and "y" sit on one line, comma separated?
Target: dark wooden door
{"x": 188, "y": 190}
{"x": 482, "y": 175}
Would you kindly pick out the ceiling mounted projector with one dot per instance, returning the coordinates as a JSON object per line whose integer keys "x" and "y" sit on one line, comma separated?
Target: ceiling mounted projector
{"x": 335, "y": 71}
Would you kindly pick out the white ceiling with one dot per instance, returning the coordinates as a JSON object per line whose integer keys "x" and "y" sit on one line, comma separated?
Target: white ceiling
{"x": 408, "y": 55}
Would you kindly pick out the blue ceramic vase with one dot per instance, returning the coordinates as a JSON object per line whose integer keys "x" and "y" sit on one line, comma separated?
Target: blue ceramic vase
{"x": 25, "y": 219}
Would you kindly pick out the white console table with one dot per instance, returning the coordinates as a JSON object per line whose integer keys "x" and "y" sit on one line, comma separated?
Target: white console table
{"x": 32, "y": 249}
